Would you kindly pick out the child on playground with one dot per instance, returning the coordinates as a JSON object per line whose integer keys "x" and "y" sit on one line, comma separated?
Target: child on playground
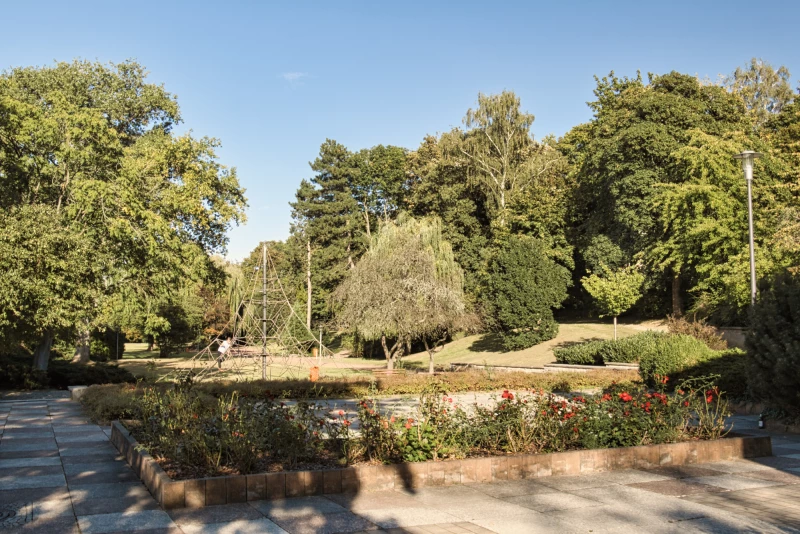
{"x": 223, "y": 348}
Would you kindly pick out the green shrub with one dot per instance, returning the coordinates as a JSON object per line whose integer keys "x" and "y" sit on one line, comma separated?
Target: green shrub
{"x": 580, "y": 353}
{"x": 629, "y": 349}
{"x": 525, "y": 285}
{"x": 697, "y": 329}
{"x": 671, "y": 354}
{"x": 62, "y": 373}
{"x": 625, "y": 350}
{"x": 730, "y": 366}
{"x": 196, "y": 434}
{"x": 773, "y": 345}
{"x": 16, "y": 373}
{"x": 105, "y": 403}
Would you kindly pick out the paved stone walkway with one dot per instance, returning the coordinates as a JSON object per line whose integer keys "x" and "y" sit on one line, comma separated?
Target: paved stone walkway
{"x": 59, "y": 473}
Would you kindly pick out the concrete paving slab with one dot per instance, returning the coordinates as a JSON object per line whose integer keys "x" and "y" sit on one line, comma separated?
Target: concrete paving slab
{"x": 513, "y": 488}
{"x": 31, "y": 471}
{"x": 47, "y": 525}
{"x": 82, "y": 438}
{"x": 676, "y": 487}
{"x": 76, "y": 429}
{"x": 100, "y": 448}
{"x": 125, "y": 521}
{"x": 774, "y": 475}
{"x": 116, "y": 504}
{"x": 325, "y": 524}
{"x": 108, "y": 491}
{"x": 214, "y": 514}
{"x": 684, "y": 471}
{"x": 44, "y": 481}
{"x": 30, "y": 462}
{"x": 488, "y": 508}
{"x": 239, "y": 526}
{"x": 300, "y": 507}
{"x": 26, "y": 434}
{"x": 97, "y": 457}
{"x": 13, "y": 446}
{"x": 374, "y": 500}
{"x": 33, "y": 494}
{"x": 735, "y": 466}
{"x": 731, "y": 482}
{"x": 10, "y": 455}
{"x": 96, "y": 467}
{"x": 549, "y": 502}
{"x": 103, "y": 477}
{"x": 407, "y": 517}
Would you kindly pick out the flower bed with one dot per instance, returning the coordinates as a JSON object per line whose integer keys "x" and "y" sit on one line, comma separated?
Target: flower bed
{"x": 245, "y": 488}
{"x": 192, "y": 434}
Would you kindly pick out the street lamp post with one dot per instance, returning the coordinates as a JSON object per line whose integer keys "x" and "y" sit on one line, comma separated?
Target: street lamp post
{"x": 747, "y": 157}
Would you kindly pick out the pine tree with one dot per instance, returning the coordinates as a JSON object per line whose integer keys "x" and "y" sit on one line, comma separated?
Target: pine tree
{"x": 325, "y": 217}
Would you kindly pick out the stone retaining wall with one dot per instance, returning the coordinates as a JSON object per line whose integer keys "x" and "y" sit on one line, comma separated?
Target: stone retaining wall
{"x": 243, "y": 488}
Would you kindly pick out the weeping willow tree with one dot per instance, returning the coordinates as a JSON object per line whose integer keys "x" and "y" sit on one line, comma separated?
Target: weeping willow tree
{"x": 406, "y": 287}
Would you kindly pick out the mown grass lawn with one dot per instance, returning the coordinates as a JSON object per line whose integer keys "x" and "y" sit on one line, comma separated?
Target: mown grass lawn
{"x": 478, "y": 349}
{"x": 486, "y": 348}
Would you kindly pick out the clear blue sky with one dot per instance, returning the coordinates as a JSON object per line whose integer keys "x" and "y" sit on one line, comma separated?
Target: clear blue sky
{"x": 273, "y": 80}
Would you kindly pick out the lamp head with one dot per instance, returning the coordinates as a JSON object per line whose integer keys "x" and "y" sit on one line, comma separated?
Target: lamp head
{"x": 747, "y": 157}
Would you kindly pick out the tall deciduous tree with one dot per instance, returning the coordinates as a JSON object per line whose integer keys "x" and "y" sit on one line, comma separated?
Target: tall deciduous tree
{"x": 407, "y": 286}
{"x": 764, "y": 89}
{"x": 91, "y": 146}
{"x": 378, "y": 184}
{"x": 499, "y": 151}
{"x": 629, "y": 146}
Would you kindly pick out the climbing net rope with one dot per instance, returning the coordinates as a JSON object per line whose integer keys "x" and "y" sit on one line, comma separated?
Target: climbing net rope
{"x": 268, "y": 339}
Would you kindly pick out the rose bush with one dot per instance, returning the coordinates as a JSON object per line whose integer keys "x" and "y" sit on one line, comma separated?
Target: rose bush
{"x": 236, "y": 433}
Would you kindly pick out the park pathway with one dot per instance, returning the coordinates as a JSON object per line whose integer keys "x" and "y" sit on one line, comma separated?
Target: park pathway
{"x": 59, "y": 473}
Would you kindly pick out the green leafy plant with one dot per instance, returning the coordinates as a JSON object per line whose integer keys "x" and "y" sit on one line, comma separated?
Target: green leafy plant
{"x": 614, "y": 291}
{"x": 773, "y": 345}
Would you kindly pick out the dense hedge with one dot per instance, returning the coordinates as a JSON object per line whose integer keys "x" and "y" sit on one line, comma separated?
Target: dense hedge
{"x": 625, "y": 350}
{"x": 773, "y": 345}
{"x": 660, "y": 354}
{"x": 672, "y": 354}
{"x": 730, "y": 367}
{"x": 16, "y": 373}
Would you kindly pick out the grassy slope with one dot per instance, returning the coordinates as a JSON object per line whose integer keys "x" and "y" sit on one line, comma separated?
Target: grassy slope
{"x": 486, "y": 347}
{"x": 477, "y": 349}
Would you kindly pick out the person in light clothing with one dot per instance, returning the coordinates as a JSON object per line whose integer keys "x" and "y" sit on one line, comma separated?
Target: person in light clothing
{"x": 223, "y": 348}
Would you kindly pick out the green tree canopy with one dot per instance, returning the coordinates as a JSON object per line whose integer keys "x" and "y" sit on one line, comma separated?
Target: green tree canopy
{"x": 614, "y": 291}
{"x": 630, "y": 146}
{"x": 525, "y": 285}
{"x": 90, "y": 147}
{"x": 407, "y": 286}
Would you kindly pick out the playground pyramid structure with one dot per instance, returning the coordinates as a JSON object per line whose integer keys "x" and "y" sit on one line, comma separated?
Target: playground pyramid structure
{"x": 269, "y": 339}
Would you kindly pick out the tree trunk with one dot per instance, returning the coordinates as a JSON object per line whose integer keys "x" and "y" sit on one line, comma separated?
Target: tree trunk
{"x": 615, "y": 328}
{"x": 308, "y": 283}
{"x": 430, "y": 354}
{"x": 677, "y": 301}
{"x": 41, "y": 356}
{"x": 387, "y": 353}
{"x": 82, "y": 347}
{"x": 350, "y": 262}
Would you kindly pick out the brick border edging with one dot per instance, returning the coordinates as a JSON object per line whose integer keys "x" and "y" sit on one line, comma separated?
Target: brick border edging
{"x": 193, "y": 493}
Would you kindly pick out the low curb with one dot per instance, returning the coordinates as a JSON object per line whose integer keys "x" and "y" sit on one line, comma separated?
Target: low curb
{"x": 200, "y": 492}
